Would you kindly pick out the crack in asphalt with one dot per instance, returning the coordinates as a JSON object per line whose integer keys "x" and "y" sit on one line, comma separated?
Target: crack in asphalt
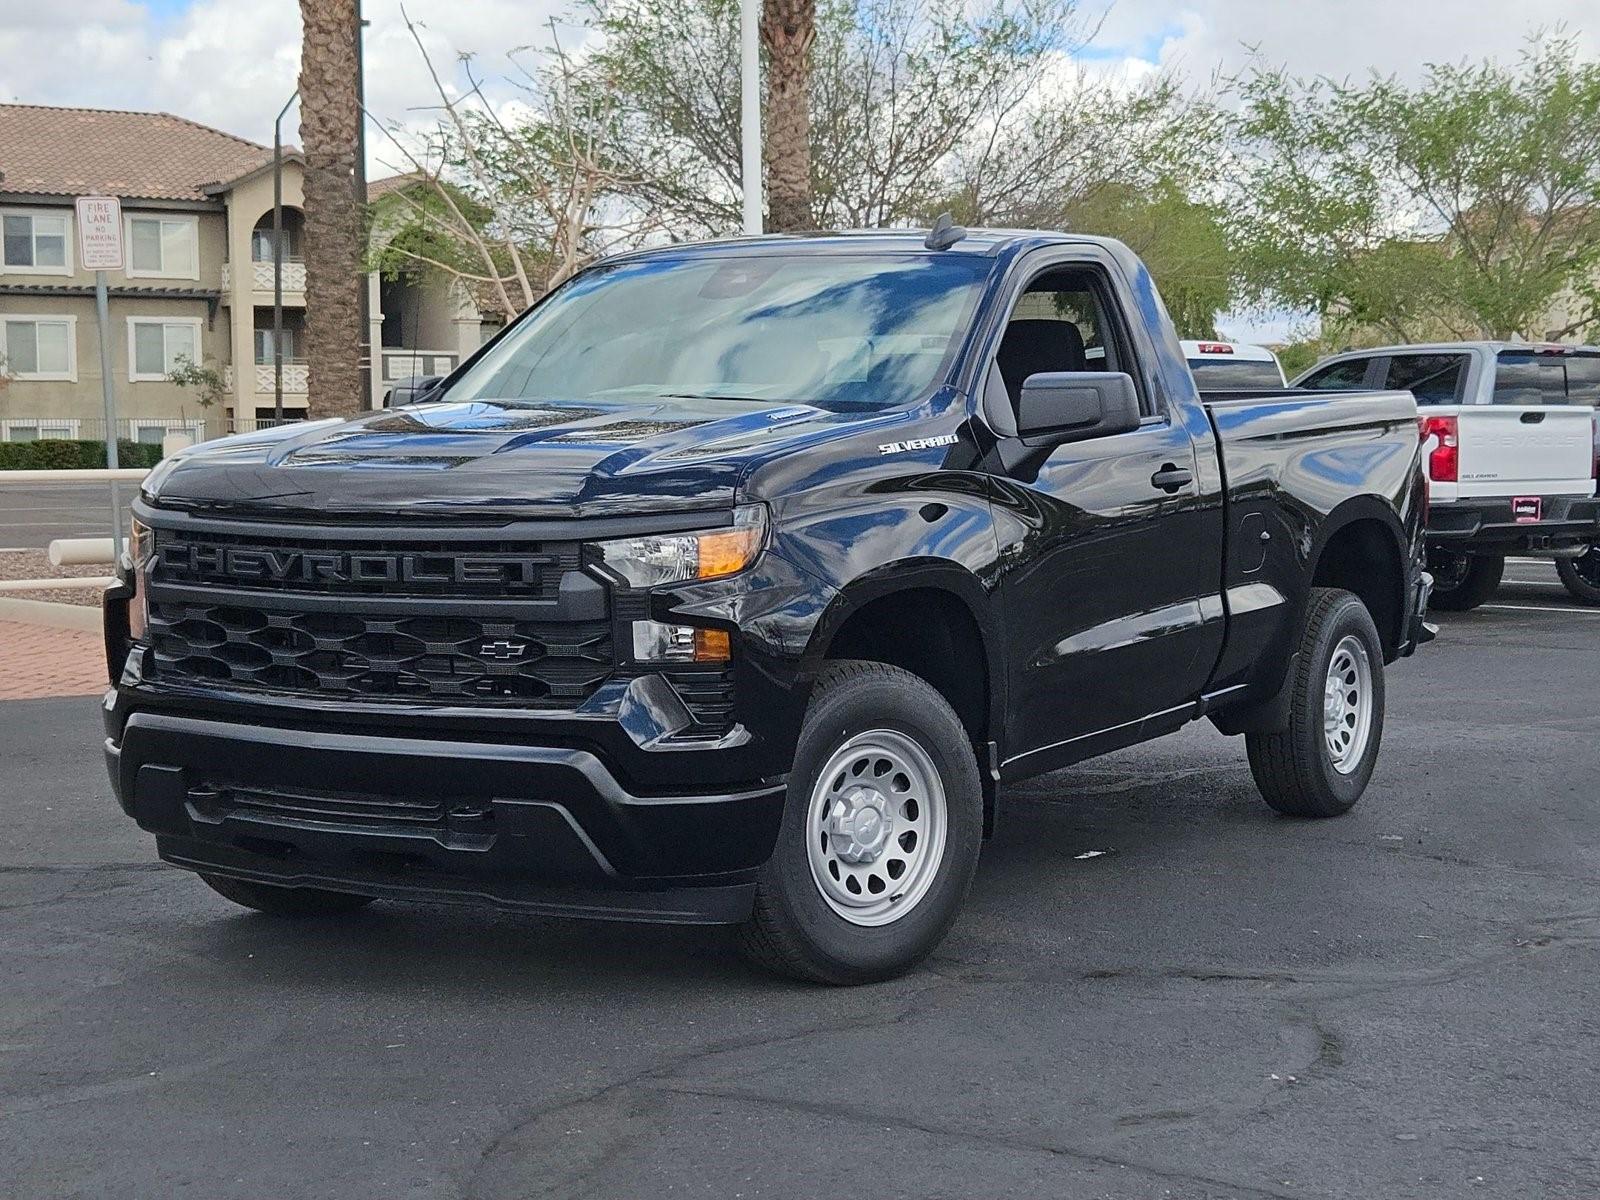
{"x": 852, "y": 1113}
{"x": 1325, "y": 1053}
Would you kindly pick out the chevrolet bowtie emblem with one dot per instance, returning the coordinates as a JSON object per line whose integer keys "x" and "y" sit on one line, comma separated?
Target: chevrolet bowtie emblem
{"x": 503, "y": 650}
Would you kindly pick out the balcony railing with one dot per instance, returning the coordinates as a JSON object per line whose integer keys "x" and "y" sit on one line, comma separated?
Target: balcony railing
{"x": 401, "y": 364}
{"x": 295, "y": 382}
{"x": 294, "y": 276}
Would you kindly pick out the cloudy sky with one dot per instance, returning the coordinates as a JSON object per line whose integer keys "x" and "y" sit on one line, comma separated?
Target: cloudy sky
{"x": 232, "y": 63}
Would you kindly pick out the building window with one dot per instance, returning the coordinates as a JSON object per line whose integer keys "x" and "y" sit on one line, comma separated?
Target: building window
{"x": 35, "y": 243}
{"x": 31, "y": 429}
{"x": 163, "y": 247}
{"x": 264, "y": 346}
{"x": 40, "y": 348}
{"x": 155, "y": 344}
{"x": 261, "y": 246}
{"x": 150, "y": 433}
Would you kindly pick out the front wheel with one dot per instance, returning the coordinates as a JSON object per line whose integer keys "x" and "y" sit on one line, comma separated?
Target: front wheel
{"x": 1581, "y": 575}
{"x": 880, "y": 834}
{"x": 1320, "y": 764}
{"x": 1461, "y": 582}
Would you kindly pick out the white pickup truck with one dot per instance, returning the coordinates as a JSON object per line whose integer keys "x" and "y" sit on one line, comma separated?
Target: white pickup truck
{"x": 1232, "y": 366}
{"x": 1512, "y": 448}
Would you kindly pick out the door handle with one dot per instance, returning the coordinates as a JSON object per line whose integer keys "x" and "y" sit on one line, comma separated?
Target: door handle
{"x": 1170, "y": 478}
{"x": 1532, "y": 418}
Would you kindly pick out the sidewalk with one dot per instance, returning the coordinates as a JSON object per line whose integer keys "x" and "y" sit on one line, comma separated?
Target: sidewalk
{"x": 36, "y": 661}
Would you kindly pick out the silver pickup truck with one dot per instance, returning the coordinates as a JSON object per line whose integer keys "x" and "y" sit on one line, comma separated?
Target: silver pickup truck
{"x": 1511, "y": 446}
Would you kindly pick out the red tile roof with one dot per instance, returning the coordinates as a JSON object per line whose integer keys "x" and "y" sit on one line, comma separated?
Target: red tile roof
{"x": 136, "y": 155}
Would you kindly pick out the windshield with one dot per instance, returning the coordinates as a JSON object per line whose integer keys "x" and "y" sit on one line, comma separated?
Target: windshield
{"x": 1223, "y": 374}
{"x": 839, "y": 332}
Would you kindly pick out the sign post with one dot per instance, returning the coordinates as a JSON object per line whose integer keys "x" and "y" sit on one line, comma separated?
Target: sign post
{"x": 100, "y": 250}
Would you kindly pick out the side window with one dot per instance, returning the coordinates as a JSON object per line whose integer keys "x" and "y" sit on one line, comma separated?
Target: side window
{"x": 1346, "y": 376}
{"x": 1431, "y": 378}
{"x": 1065, "y": 321}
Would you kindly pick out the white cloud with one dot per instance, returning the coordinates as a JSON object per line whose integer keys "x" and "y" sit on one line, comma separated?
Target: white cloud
{"x": 1338, "y": 38}
{"x": 233, "y": 63}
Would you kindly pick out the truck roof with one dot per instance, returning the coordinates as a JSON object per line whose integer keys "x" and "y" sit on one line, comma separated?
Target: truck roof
{"x": 1490, "y": 346}
{"x": 983, "y": 242}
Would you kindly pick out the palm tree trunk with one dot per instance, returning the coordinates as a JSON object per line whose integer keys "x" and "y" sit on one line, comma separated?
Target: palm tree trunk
{"x": 330, "y": 126}
{"x": 788, "y": 27}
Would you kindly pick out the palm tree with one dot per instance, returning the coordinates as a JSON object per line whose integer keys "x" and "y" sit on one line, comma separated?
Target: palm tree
{"x": 330, "y": 126}
{"x": 788, "y": 27}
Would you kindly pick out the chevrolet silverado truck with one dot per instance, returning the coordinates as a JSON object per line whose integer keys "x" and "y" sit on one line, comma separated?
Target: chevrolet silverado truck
{"x": 1512, "y": 453}
{"x": 732, "y": 582}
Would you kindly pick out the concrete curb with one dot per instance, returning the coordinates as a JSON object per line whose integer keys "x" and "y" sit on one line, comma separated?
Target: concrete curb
{"x": 50, "y": 614}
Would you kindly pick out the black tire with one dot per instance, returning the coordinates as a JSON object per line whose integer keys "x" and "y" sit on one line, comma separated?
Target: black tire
{"x": 1295, "y": 770}
{"x": 1581, "y": 576}
{"x": 1461, "y": 582}
{"x": 285, "y": 901}
{"x": 794, "y": 930}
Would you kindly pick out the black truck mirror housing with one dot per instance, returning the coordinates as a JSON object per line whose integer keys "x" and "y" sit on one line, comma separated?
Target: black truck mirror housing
{"x": 411, "y": 391}
{"x": 1068, "y": 406}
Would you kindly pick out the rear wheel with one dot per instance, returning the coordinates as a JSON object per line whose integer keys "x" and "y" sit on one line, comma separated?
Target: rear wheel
{"x": 880, "y": 834}
{"x": 285, "y": 901}
{"x": 1581, "y": 575}
{"x": 1319, "y": 766}
{"x": 1463, "y": 581}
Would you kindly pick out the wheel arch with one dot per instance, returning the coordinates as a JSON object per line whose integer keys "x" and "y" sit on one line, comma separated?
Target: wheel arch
{"x": 1361, "y": 547}
{"x": 934, "y": 619}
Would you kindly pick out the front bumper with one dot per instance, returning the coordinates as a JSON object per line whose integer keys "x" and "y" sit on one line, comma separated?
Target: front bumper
{"x": 537, "y": 828}
{"x": 1491, "y": 526}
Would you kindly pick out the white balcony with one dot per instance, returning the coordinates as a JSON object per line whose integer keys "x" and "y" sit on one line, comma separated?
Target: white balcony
{"x": 294, "y": 280}
{"x": 401, "y": 364}
{"x": 294, "y": 378}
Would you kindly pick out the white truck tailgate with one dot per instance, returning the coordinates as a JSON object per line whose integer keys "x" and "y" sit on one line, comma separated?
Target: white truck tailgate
{"x": 1511, "y": 450}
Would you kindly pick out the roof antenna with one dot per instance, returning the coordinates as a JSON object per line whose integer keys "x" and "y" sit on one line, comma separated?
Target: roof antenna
{"x": 944, "y": 234}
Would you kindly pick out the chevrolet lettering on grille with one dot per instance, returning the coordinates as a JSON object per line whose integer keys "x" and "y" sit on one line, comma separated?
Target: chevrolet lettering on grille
{"x": 243, "y": 564}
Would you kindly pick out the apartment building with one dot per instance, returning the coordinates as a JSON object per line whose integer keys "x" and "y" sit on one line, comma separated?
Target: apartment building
{"x": 197, "y": 282}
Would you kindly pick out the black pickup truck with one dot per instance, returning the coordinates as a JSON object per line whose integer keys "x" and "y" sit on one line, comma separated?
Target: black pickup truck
{"x": 732, "y": 582}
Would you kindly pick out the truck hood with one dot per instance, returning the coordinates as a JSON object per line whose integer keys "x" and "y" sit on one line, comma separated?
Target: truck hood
{"x": 544, "y": 459}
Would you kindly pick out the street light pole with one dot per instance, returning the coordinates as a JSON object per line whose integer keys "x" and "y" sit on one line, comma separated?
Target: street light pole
{"x": 750, "y": 112}
{"x": 364, "y": 300}
{"x": 277, "y": 259}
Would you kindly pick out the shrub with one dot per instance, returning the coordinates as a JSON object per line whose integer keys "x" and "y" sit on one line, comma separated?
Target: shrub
{"x": 58, "y": 454}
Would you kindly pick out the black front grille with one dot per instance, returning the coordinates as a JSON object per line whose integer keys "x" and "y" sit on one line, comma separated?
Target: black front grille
{"x": 341, "y": 808}
{"x": 357, "y": 655}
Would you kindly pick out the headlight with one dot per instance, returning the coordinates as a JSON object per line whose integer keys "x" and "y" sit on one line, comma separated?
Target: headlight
{"x": 643, "y": 562}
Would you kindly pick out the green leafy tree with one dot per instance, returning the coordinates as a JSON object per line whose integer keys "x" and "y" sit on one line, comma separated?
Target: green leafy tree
{"x": 1182, "y": 241}
{"x": 915, "y": 108}
{"x": 201, "y": 380}
{"x": 1466, "y": 205}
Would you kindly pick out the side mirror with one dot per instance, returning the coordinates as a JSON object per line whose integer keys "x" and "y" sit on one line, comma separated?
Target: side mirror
{"x": 411, "y": 391}
{"x": 1068, "y": 406}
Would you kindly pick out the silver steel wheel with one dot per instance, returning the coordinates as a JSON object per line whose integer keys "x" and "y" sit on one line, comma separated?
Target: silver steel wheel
{"x": 875, "y": 827}
{"x": 1347, "y": 704}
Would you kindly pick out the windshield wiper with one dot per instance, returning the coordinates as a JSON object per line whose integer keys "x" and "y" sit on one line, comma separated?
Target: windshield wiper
{"x": 714, "y": 396}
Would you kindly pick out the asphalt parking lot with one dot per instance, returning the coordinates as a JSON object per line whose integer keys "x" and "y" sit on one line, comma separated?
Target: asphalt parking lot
{"x": 33, "y": 514}
{"x": 1158, "y": 988}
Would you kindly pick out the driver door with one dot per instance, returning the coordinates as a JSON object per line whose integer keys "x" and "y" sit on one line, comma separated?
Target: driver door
{"x": 1110, "y": 553}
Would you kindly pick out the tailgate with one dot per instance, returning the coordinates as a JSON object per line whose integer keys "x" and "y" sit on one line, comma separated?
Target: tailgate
{"x": 1533, "y": 450}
